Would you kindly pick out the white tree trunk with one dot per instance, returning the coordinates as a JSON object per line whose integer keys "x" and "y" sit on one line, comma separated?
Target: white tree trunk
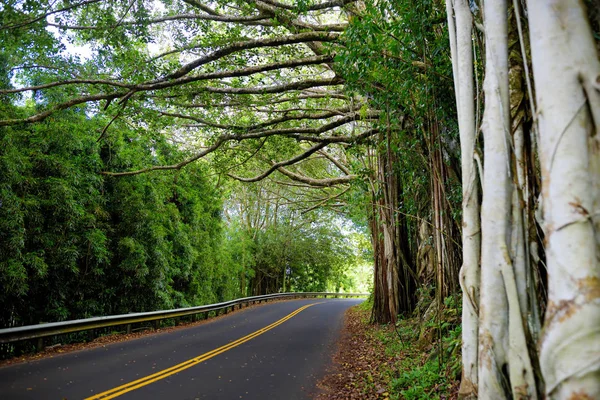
{"x": 518, "y": 280}
{"x": 495, "y": 208}
{"x": 502, "y": 341}
{"x": 566, "y": 71}
{"x": 462, "y": 62}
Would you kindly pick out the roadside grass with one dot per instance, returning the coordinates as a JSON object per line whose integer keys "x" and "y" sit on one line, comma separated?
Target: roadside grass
{"x": 425, "y": 353}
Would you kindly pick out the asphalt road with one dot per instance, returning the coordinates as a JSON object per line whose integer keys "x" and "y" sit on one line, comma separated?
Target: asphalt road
{"x": 273, "y": 351}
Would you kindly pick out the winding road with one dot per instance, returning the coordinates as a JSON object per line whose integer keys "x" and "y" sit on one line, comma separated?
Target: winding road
{"x": 273, "y": 351}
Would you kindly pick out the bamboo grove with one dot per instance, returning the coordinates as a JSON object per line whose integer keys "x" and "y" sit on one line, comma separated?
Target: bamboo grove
{"x": 458, "y": 136}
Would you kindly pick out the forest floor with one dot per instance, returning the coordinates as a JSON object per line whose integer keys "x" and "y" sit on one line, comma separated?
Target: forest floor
{"x": 380, "y": 362}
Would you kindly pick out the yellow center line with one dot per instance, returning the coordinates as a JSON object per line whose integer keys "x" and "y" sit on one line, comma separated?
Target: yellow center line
{"x": 133, "y": 385}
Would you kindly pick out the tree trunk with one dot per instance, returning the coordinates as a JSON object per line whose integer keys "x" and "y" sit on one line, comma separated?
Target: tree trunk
{"x": 395, "y": 279}
{"x": 495, "y": 209}
{"x": 504, "y": 364}
{"x": 566, "y": 70}
{"x": 462, "y": 63}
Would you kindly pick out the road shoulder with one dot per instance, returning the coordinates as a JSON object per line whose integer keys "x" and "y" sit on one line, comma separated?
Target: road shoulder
{"x": 379, "y": 362}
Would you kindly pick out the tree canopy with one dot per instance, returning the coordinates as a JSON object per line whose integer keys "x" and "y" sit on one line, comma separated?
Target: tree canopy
{"x": 195, "y": 151}
{"x": 99, "y": 97}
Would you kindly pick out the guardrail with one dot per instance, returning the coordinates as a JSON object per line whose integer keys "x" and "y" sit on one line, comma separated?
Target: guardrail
{"x": 41, "y": 331}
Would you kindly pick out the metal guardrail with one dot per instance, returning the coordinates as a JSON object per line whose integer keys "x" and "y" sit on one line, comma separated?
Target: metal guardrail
{"x": 40, "y": 331}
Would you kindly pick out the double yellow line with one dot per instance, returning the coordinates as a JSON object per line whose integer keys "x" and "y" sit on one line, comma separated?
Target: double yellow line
{"x": 128, "y": 387}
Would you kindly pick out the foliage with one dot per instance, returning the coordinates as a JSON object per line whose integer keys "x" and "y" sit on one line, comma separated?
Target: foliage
{"x": 246, "y": 86}
{"x": 422, "y": 382}
{"x": 377, "y": 361}
{"x": 76, "y": 244}
{"x": 395, "y": 55}
{"x": 430, "y": 366}
{"x": 281, "y": 248}
{"x": 120, "y": 88}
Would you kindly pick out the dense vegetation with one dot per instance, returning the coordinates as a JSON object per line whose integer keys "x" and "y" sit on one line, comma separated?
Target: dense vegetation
{"x": 78, "y": 239}
{"x": 396, "y": 55}
{"x": 194, "y": 151}
{"x": 75, "y": 243}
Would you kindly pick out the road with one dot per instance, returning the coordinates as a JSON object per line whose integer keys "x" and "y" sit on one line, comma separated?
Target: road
{"x": 273, "y": 351}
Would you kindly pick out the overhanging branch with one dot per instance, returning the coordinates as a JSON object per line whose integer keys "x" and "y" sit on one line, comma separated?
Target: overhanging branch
{"x": 275, "y": 121}
{"x": 252, "y": 44}
{"x": 323, "y": 182}
{"x": 275, "y": 166}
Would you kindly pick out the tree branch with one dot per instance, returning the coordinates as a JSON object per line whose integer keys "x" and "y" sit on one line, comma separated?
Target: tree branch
{"x": 43, "y": 16}
{"x": 332, "y": 95}
{"x": 177, "y": 166}
{"x": 203, "y": 17}
{"x": 68, "y": 82}
{"x": 252, "y": 44}
{"x": 184, "y": 80}
{"x": 325, "y": 201}
{"x": 276, "y": 121}
{"x": 323, "y": 182}
{"x": 154, "y": 85}
{"x": 314, "y": 7}
{"x": 322, "y": 142}
{"x": 197, "y": 4}
{"x": 275, "y": 166}
{"x": 335, "y": 162}
{"x": 300, "y": 85}
{"x": 62, "y": 106}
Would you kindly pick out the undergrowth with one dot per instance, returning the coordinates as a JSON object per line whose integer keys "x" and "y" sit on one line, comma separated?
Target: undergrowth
{"x": 426, "y": 350}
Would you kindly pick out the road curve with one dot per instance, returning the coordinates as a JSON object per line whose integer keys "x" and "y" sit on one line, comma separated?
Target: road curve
{"x": 273, "y": 351}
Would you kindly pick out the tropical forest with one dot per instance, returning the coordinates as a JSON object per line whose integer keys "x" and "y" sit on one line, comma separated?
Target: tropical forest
{"x": 440, "y": 156}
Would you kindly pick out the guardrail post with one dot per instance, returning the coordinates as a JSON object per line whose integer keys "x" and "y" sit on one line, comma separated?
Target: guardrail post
{"x": 156, "y": 324}
{"x": 40, "y": 344}
{"x": 128, "y": 329}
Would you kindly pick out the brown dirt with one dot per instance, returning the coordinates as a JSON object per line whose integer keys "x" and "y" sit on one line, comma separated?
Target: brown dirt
{"x": 360, "y": 367}
{"x": 357, "y": 363}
